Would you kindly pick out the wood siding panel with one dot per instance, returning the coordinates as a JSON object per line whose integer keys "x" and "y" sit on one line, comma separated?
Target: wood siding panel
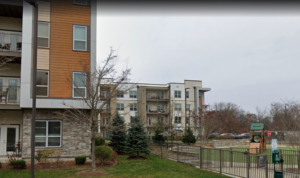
{"x": 63, "y": 60}
{"x": 44, "y": 11}
{"x": 43, "y": 59}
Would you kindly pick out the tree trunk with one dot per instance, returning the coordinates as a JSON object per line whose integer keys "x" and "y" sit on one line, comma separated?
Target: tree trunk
{"x": 93, "y": 154}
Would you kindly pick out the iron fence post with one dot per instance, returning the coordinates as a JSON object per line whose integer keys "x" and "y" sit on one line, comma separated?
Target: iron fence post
{"x": 266, "y": 165}
{"x": 200, "y": 157}
{"x": 231, "y": 157}
{"x": 177, "y": 152}
{"x": 248, "y": 163}
{"x": 220, "y": 161}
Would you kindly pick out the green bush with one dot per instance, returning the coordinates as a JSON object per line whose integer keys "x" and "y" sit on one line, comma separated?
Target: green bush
{"x": 104, "y": 153}
{"x": 99, "y": 141}
{"x": 18, "y": 164}
{"x": 80, "y": 159}
{"x": 189, "y": 137}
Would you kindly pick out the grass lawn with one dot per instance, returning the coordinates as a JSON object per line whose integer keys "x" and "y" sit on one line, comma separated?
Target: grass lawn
{"x": 154, "y": 167}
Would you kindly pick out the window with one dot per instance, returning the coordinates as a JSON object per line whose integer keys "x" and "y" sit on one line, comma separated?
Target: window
{"x": 187, "y": 107}
{"x": 120, "y": 106}
{"x": 149, "y": 121}
{"x": 177, "y": 120}
{"x": 160, "y": 107}
{"x": 177, "y": 94}
{"x": 187, "y": 94}
{"x": 48, "y": 133}
{"x": 103, "y": 94}
{"x": 80, "y": 2}
{"x": 133, "y": 107}
{"x": 79, "y": 37}
{"x": 177, "y": 107}
{"x": 132, "y": 94}
{"x": 120, "y": 94}
{"x": 160, "y": 95}
{"x": 43, "y": 35}
{"x": 199, "y": 94}
{"x": 42, "y": 83}
{"x": 79, "y": 88}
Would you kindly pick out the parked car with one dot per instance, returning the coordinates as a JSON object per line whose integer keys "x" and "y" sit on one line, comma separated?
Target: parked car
{"x": 213, "y": 135}
{"x": 227, "y": 134}
{"x": 242, "y": 136}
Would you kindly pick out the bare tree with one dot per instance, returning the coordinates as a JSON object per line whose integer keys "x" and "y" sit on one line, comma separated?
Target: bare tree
{"x": 102, "y": 86}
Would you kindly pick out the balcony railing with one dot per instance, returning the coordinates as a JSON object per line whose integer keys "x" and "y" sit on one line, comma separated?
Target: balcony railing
{"x": 9, "y": 94}
{"x": 10, "y": 41}
{"x": 157, "y": 98}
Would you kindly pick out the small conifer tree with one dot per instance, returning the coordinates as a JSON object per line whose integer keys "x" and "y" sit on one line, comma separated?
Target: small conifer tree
{"x": 158, "y": 132}
{"x": 118, "y": 137}
{"x": 137, "y": 143}
{"x": 189, "y": 137}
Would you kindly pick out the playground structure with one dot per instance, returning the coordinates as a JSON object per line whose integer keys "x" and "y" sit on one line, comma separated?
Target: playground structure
{"x": 257, "y": 141}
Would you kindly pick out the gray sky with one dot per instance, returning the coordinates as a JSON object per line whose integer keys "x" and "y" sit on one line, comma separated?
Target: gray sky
{"x": 251, "y": 59}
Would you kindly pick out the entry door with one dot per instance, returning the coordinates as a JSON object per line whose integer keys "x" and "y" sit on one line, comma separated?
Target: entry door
{"x": 9, "y": 136}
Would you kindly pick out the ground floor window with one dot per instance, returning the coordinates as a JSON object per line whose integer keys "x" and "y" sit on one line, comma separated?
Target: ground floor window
{"x": 48, "y": 133}
{"x": 177, "y": 120}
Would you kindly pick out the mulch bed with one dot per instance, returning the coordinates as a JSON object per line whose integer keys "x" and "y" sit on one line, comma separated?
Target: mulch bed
{"x": 60, "y": 165}
{"x": 137, "y": 158}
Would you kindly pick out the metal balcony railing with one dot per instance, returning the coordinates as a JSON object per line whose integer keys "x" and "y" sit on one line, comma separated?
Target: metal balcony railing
{"x": 9, "y": 94}
{"x": 10, "y": 41}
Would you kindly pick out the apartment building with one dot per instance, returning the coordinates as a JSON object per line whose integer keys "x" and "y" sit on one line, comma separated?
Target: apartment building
{"x": 171, "y": 104}
{"x": 66, "y": 39}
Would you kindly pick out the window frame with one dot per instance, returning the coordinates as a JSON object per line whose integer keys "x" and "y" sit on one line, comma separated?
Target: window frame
{"x": 73, "y": 87}
{"x": 163, "y": 107}
{"x": 132, "y": 95}
{"x": 120, "y": 95}
{"x": 121, "y": 108}
{"x": 176, "y": 108}
{"x": 47, "y": 129}
{"x": 176, "y": 120}
{"x": 80, "y": 4}
{"x": 187, "y": 94}
{"x": 43, "y": 36}
{"x": 177, "y": 93}
{"x": 44, "y": 85}
{"x": 133, "y": 106}
{"x": 86, "y": 36}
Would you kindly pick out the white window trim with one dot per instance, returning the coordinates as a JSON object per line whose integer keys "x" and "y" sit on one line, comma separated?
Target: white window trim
{"x": 133, "y": 106}
{"x": 120, "y": 109}
{"x": 44, "y": 85}
{"x": 121, "y": 95}
{"x": 80, "y": 3}
{"x": 133, "y": 95}
{"x": 73, "y": 93}
{"x": 47, "y": 121}
{"x": 45, "y": 36}
{"x": 176, "y": 95}
{"x": 177, "y": 107}
{"x": 79, "y": 40}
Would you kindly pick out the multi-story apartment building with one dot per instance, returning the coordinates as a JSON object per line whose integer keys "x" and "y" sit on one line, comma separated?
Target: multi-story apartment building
{"x": 163, "y": 103}
{"x": 66, "y": 38}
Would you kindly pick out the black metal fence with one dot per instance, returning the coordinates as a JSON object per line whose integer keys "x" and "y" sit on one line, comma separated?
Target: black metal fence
{"x": 241, "y": 162}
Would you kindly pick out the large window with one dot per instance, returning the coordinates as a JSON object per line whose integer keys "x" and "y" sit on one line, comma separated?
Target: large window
{"x": 133, "y": 107}
{"x": 48, "y": 133}
{"x": 177, "y": 94}
{"x": 80, "y": 2}
{"x": 42, "y": 83}
{"x": 43, "y": 35}
{"x": 177, "y": 107}
{"x": 120, "y": 106}
{"x": 177, "y": 120}
{"x": 79, "y": 85}
{"x": 160, "y": 107}
{"x": 160, "y": 95}
{"x": 187, "y": 94}
{"x": 132, "y": 94}
{"x": 80, "y": 38}
{"x": 120, "y": 94}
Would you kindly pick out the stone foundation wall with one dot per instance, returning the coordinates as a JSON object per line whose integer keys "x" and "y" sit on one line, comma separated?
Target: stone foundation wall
{"x": 229, "y": 143}
{"x": 75, "y": 136}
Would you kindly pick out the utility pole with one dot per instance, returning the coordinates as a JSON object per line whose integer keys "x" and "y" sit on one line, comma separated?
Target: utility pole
{"x": 34, "y": 68}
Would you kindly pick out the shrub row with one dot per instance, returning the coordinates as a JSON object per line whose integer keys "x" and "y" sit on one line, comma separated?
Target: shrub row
{"x": 21, "y": 164}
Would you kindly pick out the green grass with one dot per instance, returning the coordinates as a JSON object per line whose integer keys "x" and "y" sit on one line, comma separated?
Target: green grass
{"x": 154, "y": 167}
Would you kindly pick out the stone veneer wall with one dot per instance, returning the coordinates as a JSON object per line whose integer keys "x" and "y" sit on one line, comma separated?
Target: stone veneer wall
{"x": 75, "y": 138}
{"x": 229, "y": 143}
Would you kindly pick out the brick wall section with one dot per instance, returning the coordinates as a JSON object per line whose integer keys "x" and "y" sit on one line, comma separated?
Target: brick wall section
{"x": 75, "y": 135}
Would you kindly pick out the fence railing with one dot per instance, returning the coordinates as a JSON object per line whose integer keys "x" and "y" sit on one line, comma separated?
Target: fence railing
{"x": 9, "y": 94}
{"x": 10, "y": 41}
{"x": 241, "y": 162}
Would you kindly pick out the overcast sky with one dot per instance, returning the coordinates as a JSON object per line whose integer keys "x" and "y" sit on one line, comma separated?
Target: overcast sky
{"x": 248, "y": 58}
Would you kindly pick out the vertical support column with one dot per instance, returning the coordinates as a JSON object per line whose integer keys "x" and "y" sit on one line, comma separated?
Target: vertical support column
{"x": 201, "y": 157}
{"x": 231, "y": 157}
{"x": 266, "y": 166}
{"x": 248, "y": 164}
{"x": 220, "y": 161}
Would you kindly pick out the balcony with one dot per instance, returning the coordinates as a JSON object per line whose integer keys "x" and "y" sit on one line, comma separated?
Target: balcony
{"x": 159, "y": 111}
{"x": 9, "y": 95}
{"x": 10, "y": 43}
{"x": 157, "y": 98}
